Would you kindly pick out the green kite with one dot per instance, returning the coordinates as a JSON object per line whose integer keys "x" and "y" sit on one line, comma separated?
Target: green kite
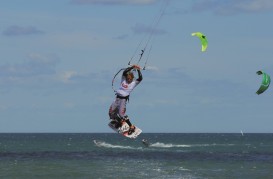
{"x": 265, "y": 83}
{"x": 203, "y": 39}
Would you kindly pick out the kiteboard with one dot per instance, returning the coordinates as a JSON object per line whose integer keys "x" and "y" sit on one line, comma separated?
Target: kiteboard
{"x": 124, "y": 128}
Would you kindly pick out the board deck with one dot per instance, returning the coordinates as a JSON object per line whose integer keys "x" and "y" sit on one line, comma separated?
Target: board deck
{"x": 123, "y": 130}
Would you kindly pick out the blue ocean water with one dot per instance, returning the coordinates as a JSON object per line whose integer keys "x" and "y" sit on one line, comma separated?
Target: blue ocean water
{"x": 181, "y": 155}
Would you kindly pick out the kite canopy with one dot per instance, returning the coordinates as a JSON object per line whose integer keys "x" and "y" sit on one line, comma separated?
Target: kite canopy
{"x": 265, "y": 83}
{"x": 203, "y": 39}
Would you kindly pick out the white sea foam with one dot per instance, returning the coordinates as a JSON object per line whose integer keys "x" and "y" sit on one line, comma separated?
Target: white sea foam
{"x": 107, "y": 145}
{"x": 184, "y": 169}
{"x": 162, "y": 145}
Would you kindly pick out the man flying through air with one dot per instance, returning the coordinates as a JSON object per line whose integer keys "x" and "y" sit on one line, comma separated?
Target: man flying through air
{"x": 118, "y": 107}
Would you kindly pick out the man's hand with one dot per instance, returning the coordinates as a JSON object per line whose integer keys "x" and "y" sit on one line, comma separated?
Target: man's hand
{"x": 136, "y": 67}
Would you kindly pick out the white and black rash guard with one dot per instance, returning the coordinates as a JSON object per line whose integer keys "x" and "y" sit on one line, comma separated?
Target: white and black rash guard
{"x": 125, "y": 88}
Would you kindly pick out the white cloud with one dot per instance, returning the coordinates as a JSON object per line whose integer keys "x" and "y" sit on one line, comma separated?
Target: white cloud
{"x": 114, "y": 2}
{"x": 69, "y": 105}
{"x": 18, "y": 30}
{"x": 49, "y": 59}
{"x": 67, "y": 75}
{"x": 78, "y": 39}
{"x": 231, "y": 7}
{"x": 255, "y": 5}
{"x": 142, "y": 29}
{"x": 35, "y": 65}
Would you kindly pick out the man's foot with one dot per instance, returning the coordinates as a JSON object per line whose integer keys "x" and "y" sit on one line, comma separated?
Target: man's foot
{"x": 131, "y": 130}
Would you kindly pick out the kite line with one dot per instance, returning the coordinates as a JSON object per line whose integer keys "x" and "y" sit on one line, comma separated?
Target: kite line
{"x": 145, "y": 42}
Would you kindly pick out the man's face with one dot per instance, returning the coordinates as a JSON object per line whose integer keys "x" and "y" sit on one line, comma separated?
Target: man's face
{"x": 129, "y": 78}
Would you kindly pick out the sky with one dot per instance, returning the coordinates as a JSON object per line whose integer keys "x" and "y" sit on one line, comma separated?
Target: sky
{"x": 58, "y": 59}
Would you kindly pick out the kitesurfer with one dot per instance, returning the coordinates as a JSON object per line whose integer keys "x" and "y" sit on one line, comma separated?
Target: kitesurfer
{"x": 145, "y": 142}
{"x": 118, "y": 107}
